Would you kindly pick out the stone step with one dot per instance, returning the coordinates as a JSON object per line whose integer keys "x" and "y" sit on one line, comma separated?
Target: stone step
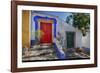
{"x": 41, "y": 47}
{"x": 44, "y": 57}
{"x": 38, "y": 53}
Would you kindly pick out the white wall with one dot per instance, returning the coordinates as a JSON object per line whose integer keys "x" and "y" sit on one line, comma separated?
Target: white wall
{"x": 78, "y": 38}
{"x": 86, "y": 40}
{"x": 64, "y": 27}
{"x": 5, "y": 32}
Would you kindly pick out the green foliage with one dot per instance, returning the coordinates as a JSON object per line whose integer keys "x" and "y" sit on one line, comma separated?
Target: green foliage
{"x": 80, "y": 21}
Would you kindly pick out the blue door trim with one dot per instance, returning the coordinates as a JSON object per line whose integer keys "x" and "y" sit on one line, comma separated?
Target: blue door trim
{"x": 35, "y": 19}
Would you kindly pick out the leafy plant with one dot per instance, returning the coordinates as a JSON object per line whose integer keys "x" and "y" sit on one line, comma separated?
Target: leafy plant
{"x": 80, "y": 21}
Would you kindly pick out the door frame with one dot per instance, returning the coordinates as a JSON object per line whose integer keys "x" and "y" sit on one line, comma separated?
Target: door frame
{"x": 36, "y": 19}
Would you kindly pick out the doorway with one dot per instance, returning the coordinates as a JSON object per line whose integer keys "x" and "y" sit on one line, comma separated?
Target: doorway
{"x": 46, "y": 28}
{"x": 70, "y": 38}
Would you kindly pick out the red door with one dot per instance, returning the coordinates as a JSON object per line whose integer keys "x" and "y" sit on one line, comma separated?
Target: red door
{"x": 46, "y": 28}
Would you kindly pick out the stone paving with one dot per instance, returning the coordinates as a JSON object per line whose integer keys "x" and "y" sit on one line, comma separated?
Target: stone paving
{"x": 42, "y": 53}
{"x": 48, "y": 53}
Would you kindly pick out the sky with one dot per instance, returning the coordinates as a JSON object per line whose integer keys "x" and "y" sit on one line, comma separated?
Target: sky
{"x": 60, "y": 15}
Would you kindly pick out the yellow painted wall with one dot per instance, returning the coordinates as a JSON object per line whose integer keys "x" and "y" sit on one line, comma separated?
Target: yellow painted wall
{"x": 25, "y": 29}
